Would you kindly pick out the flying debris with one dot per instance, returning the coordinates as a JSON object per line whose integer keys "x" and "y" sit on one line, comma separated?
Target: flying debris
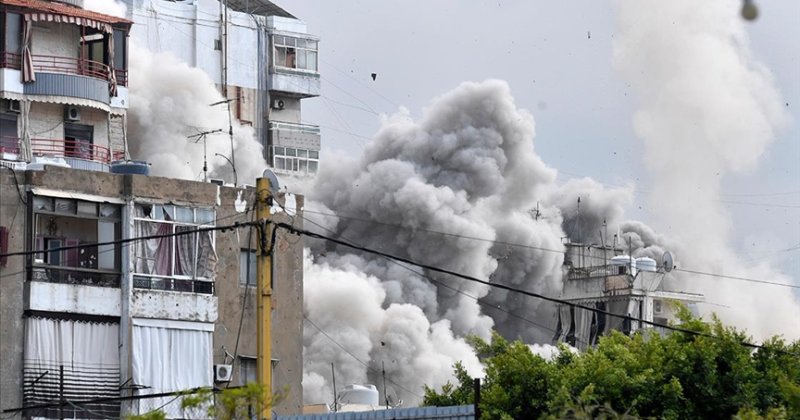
{"x": 374, "y": 76}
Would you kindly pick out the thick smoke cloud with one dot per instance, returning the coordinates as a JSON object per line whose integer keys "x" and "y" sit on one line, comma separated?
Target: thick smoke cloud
{"x": 707, "y": 109}
{"x": 171, "y": 101}
{"x": 457, "y": 189}
{"x": 462, "y": 188}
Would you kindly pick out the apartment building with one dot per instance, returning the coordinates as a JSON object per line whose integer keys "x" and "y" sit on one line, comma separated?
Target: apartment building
{"x": 80, "y": 320}
{"x": 605, "y": 278}
{"x": 260, "y": 56}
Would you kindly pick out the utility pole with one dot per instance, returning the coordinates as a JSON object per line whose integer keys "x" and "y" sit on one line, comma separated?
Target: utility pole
{"x": 264, "y": 293}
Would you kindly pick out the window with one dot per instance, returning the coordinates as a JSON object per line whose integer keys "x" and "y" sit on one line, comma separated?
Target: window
{"x": 184, "y": 262}
{"x": 11, "y": 34}
{"x": 290, "y": 159}
{"x": 243, "y": 267}
{"x": 9, "y": 140}
{"x": 78, "y": 141}
{"x": 295, "y": 53}
{"x": 60, "y": 222}
{"x": 247, "y": 370}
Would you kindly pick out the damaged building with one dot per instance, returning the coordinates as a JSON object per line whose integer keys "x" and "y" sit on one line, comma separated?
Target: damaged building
{"x": 85, "y": 310}
{"x": 614, "y": 283}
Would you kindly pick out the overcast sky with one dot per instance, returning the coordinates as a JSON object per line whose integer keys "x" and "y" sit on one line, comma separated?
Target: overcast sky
{"x": 557, "y": 58}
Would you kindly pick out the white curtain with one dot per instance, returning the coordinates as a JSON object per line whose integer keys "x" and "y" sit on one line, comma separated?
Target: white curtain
{"x": 170, "y": 359}
{"x": 25, "y": 139}
{"x": 583, "y": 325}
{"x": 88, "y": 352}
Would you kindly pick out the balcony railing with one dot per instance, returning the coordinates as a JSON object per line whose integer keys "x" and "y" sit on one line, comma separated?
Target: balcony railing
{"x": 71, "y": 149}
{"x": 176, "y": 285}
{"x": 76, "y": 276}
{"x": 302, "y": 128}
{"x": 64, "y": 65}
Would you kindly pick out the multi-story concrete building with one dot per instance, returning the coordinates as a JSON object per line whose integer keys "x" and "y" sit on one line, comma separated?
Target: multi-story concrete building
{"x": 259, "y": 55}
{"x": 63, "y": 83}
{"x": 603, "y": 277}
{"x": 135, "y": 318}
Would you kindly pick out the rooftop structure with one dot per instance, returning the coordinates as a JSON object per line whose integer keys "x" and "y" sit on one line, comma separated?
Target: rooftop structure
{"x": 605, "y": 278}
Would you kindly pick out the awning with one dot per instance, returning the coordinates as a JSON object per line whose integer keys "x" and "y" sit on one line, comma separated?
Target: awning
{"x": 76, "y": 20}
{"x": 62, "y": 100}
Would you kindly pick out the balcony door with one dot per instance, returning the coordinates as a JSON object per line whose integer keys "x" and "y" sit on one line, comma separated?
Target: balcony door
{"x": 78, "y": 140}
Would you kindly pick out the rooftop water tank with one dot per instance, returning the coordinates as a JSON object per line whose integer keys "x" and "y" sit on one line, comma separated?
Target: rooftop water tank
{"x": 130, "y": 167}
{"x": 359, "y": 394}
{"x": 622, "y": 264}
{"x": 646, "y": 264}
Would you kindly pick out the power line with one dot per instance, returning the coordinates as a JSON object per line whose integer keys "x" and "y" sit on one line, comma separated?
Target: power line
{"x": 134, "y": 239}
{"x": 559, "y": 251}
{"x": 446, "y": 286}
{"x": 356, "y": 357}
{"x": 794, "y": 286}
{"x": 304, "y": 232}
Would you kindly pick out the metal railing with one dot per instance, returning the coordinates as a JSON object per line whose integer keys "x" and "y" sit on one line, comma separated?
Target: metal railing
{"x": 76, "y": 276}
{"x": 64, "y": 65}
{"x": 71, "y": 149}
{"x": 122, "y": 76}
{"x": 9, "y": 145}
{"x": 303, "y": 128}
{"x": 204, "y": 287}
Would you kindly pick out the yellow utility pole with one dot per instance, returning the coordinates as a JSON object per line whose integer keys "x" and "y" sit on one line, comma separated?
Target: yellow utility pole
{"x": 264, "y": 295}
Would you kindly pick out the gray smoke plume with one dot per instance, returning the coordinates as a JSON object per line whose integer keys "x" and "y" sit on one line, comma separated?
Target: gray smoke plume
{"x": 170, "y": 104}
{"x": 707, "y": 109}
{"x": 459, "y": 189}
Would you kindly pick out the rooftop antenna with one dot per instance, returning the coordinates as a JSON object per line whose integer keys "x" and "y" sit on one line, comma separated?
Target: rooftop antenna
{"x": 335, "y": 397}
{"x": 537, "y": 212}
{"x": 202, "y": 136}
{"x": 230, "y": 126}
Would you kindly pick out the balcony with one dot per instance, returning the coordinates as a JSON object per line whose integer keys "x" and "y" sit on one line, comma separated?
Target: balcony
{"x": 61, "y": 76}
{"x": 64, "y": 65}
{"x": 295, "y": 83}
{"x": 77, "y": 154}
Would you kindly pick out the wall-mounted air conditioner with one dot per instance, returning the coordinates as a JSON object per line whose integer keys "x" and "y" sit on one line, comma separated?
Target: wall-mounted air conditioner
{"x": 278, "y": 104}
{"x": 223, "y": 373}
{"x": 72, "y": 113}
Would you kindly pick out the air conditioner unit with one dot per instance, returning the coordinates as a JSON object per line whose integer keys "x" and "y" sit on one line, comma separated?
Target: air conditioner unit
{"x": 72, "y": 113}
{"x": 223, "y": 373}
{"x": 278, "y": 104}
{"x": 13, "y": 106}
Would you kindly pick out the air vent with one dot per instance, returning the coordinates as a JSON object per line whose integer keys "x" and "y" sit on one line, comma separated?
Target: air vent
{"x": 72, "y": 113}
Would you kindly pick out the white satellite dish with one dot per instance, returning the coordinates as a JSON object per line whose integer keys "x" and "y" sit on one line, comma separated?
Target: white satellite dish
{"x": 273, "y": 180}
{"x": 667, "y": 261}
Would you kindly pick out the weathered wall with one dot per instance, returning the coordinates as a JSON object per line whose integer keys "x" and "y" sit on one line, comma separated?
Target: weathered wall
{"x": 47, "y": 122}
{"x": 287, "y": 297}
{"x": 12, "y": 217}
{"x": 55, "y": 39}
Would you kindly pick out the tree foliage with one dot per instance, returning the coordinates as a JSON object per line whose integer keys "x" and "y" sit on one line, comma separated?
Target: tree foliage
{"x": 678, "y": 375}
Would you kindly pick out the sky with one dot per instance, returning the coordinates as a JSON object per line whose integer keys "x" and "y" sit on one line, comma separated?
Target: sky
{"x": 557, "y": 58}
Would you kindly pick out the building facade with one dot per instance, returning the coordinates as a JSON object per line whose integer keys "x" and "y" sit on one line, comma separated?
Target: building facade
{"x": 63, "y": 84}
{"x": 261, "y": 58}
{"x": 603, "y": 277}
{"x": 140, "y": 318}
{"x": 80, "y": 320}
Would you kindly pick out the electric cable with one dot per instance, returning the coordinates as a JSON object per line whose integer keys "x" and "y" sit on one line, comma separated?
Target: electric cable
{"x": 304, "y": 232}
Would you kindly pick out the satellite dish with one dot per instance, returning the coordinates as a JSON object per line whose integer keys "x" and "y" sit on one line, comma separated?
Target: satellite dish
{"x": 274, "y": 185}
{"x": 667, "y": 261}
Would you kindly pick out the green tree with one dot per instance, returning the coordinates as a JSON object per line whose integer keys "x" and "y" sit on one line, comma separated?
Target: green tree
{"x": 679, "y": 375}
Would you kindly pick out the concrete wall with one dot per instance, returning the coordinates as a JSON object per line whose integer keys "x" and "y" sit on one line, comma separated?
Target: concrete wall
{"x": 55, "y": 39}
{"x": 47, "y": 122}
{"x": 287, "y": 314}
{"x": 74, "y": 299}
{"x": 12, "y": 217}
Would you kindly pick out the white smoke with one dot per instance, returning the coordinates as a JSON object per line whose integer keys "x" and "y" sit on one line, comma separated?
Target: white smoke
{"x": 108, "y": 7}
{"x": 170, "y": 105}
{"x": 707, "y": 109}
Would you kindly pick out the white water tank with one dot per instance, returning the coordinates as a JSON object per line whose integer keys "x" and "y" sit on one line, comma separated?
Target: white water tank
{"x": 646, "y": 264}
{"x": 359, "y": 394}
{"x": 623, "y": 264}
